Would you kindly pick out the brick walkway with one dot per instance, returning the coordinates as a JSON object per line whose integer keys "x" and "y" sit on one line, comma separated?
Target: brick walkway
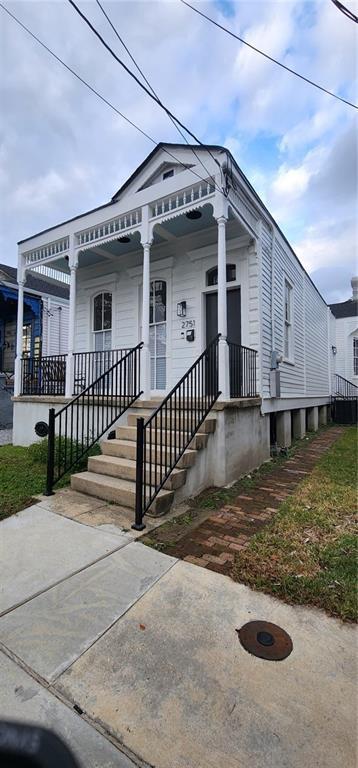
{"x": 214, "y": 542}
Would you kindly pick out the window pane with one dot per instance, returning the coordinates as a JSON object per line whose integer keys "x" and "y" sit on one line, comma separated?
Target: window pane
{"x": 161, "y": 345}
{"x": 97, "y": 312}
{"x": 230, "y": 272}
{"x": 98, "y": 342}
{"x": 160, "y": 299}
{"x": 107, "y": 310}
{"x": 286, "y": 342}
{"x": 107, "y": 341}
{"x": 212, "y": 276}
{"x": 151, "y": 303}
{"x": 355, "y": 356}
{"x": 160, "y": 373}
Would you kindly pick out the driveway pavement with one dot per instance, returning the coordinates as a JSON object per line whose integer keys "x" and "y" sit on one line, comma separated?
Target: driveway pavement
{"x": 146, "y": 648}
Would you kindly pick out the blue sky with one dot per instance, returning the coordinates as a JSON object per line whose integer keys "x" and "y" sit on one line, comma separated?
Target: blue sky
{"x": 62, "y": 151}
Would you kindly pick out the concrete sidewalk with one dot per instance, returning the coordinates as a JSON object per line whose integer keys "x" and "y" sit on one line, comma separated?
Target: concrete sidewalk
{"x": 146, "y": 647}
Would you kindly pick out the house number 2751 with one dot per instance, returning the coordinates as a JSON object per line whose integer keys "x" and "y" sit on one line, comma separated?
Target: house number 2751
{"x": 188, "y": 324}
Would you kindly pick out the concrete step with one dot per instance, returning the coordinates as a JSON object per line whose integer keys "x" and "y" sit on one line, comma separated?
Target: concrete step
{"x": 166, "y": 437}
{"x": 207, "y": 426}
{"x": 127, "y": 449}
{"x": 117, "y": 490}
{"x": 126, "y": 469}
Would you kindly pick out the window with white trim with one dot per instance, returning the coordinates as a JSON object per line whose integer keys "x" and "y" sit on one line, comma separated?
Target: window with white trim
{"x": 102, "y": 321}
{"x": 355, "y": 356}
{"x": 158, "y": 333}
{"x": 287, "y": 331}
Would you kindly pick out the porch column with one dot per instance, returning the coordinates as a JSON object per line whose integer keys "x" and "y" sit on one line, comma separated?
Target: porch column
{"x": 224, "y": 374}
{"x": 71, "y": 329}
{"x": 19, "y": 326}
{"x": 145, "y": 352}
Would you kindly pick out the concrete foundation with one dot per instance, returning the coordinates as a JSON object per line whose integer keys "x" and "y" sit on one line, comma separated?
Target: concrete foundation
{"x": 312, "y": 419}
{"x": 322, "y": 416}
{"x": 283, "y": 429}
{"x": 299, "y": 423}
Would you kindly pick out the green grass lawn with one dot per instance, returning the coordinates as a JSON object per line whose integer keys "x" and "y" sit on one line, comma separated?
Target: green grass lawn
{"x": 21, "y": 478}
{"x": 23, "y": 474}
{"x": 308, "y": 553}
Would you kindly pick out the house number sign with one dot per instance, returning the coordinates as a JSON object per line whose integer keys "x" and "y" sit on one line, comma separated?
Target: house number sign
{"x": 187, "y": 324}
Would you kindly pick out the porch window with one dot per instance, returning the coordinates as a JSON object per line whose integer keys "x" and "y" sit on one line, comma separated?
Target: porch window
{"x": 158, "y": 333}
{"x": 355, "y": 356}
{"x": 26, "y": 339}
{"x": 102, "y": 321}
{"x": 212, "y": 274}
{"x": 287, "y": 340}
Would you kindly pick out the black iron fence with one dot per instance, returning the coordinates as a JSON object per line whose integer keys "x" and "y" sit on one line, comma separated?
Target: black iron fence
{"x": 43, "y": 375}
{"x": 89, "y": 366}
{"x": 78, "y": 425}
{"x": 163, "y": 438}
{"x": 242, "y": 362}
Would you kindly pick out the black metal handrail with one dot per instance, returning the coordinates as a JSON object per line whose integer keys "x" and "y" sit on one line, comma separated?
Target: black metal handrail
{"x": 345, "y": 388}
{"x": 79, "y": 425}
{"x": 88, "y": 366}
{"x": 242, "y": 362}
{"x": 163, "y": 438}
{"x": 43, "y": 375}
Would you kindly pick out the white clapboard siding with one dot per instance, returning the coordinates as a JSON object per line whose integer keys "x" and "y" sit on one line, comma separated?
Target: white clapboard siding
{"x": 266, "y": 332}
{"x": 316, "y": 343}
{"x": 55, "y": 319}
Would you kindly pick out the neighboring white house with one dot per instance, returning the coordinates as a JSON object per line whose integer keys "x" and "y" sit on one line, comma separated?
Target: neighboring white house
{"x": 346, "y": 335}
{"x": 45, "y": 316}
{"x": 183, "y": 251}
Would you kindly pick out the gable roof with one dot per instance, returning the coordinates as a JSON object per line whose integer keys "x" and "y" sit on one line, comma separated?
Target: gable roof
{"x": 36, "y": 283}
{"x": 345, "y": 309}
{"x": 169, "y": 149}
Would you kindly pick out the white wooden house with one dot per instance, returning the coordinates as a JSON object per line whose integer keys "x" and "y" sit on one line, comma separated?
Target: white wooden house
{"x": 346, "y": 336}
{"x": 184, "y": 250}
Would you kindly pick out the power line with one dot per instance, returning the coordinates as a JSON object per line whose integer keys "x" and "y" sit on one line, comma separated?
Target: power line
{"x": 152, "y": 89}
{"x": 347, "y": 12}
{"x": 270, "y": 58}
{"x": 141, "y": 85}
{"x": 99, "y": 95}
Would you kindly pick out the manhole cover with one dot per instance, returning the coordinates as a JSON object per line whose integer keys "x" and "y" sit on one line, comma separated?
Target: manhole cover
{"x": 266, "y": 640}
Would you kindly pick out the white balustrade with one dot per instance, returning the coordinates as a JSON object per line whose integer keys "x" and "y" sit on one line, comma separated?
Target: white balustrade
{"x": 112, "y": 227}
{"x": 57, "y": 248}
{"x": 187, "y": 196}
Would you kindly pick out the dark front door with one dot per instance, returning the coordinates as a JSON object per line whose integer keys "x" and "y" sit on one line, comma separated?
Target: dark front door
{"x": 233, "y": 316}
{"x": 233, "y": 327}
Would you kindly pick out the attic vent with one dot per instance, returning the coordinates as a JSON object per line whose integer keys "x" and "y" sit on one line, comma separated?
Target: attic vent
{"x": 167, "y": 174}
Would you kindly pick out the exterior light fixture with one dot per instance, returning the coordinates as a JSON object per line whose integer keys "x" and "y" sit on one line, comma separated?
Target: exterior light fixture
{"x": 192, "y": 215}
{"x": 181, "y": 308}
{"x": 124, "y": 239}
{"x": 334, "y": 350}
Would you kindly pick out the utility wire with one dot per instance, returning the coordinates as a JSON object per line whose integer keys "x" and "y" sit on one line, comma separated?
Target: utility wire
{"x": 99, "y": 95}
{"x": 141, "y": 85}
{"x": 347, "y": 12}
{"x": 151, "y": 88}
{"x": 270, "y": 58}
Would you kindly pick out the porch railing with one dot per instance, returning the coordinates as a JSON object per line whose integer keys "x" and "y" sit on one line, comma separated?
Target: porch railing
{"x": 242, "y": 362}
{"x": 43, "y": 375}
{"x": 166, "y": 434}
{"x": 344, "y": 388}
{"x": 74, "y": 429}
{"x": 88, "y": 366}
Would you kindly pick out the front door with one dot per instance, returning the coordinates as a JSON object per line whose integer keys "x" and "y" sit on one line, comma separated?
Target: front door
{"x": 233, "y": 325}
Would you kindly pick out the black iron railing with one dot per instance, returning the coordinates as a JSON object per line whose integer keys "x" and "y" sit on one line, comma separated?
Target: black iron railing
{"x": 242, "y": 362}
{"x": 89, "y": 366}
{"x": 43, "y": 375}
{"x": 344, "y": 388}
{"x": 167, "y": 433}
{"x": 78, "y": 425}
